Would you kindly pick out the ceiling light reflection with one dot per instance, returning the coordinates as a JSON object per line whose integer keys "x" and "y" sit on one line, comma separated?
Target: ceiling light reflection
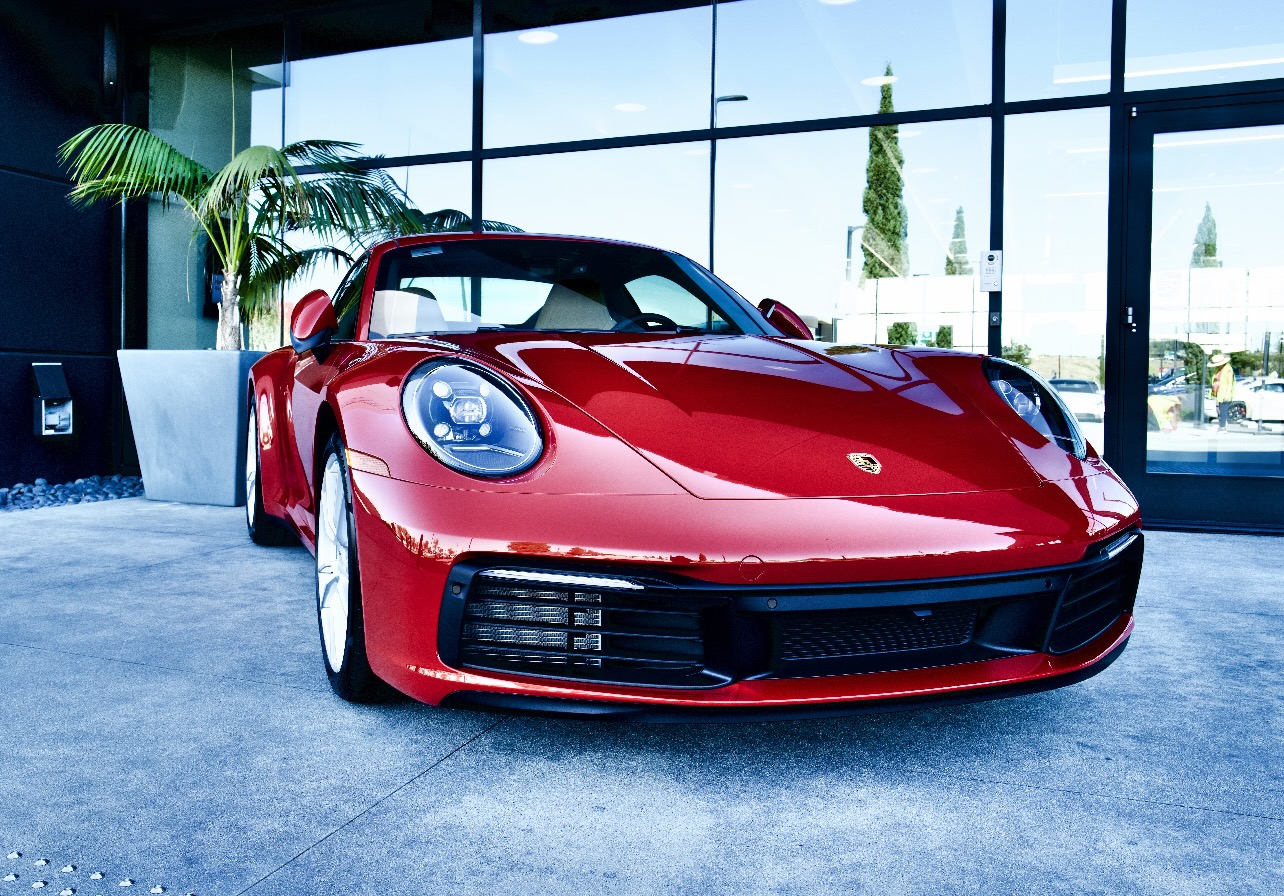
{"x": 1209, "y": 141}
{"x": 1173, "y": 64}
{"x": 537, "y": 37}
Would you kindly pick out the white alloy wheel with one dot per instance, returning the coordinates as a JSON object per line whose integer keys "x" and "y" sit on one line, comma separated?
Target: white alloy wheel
{"x": 333, "y": 582}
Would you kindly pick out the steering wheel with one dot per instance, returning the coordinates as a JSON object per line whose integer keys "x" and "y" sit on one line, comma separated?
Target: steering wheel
{"x": 644, "y": 321}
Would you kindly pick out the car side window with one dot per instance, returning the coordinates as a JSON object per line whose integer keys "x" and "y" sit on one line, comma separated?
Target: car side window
{"x": 655, "y": 294}
{"x": 347, "y": 299}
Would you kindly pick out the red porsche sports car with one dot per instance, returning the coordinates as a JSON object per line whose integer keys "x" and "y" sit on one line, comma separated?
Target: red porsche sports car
{"x": 584, "y": 476}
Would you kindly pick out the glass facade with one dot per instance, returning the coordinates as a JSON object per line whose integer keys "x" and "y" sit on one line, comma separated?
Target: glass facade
{"x": 1181, "y": 43}
{"x": 549, "y": 81}
{"x": 800, "y": 233}
{"x": 391, "y": 77}
{"x": 796, "y": 60}
{"x": 658, "y": 195}
{"x": 850, "y": 158}
{"x": 1057, "y": 49}
{"x": 1054, "y": 286}
{"x": 1216, "y": 303}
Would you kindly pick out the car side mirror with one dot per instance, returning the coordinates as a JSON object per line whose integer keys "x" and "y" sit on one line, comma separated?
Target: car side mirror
{"x": 313, "y": 322}
{"x": 784, "y": 319}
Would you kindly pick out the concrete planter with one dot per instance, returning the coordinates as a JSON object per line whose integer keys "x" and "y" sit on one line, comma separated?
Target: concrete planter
{"x": 188, "y": 412}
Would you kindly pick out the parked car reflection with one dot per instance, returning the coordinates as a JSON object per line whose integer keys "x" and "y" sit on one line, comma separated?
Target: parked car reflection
{"x": 1084, "y": 397}
{"x": 1265, "y": 401}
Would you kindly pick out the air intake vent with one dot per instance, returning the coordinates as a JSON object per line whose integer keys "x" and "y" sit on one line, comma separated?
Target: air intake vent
{"x": 627, "y": 635}
{"x": 865, "y": 632}
{"x": 1091, "y": 604}
{"x": 1096, "y": 598}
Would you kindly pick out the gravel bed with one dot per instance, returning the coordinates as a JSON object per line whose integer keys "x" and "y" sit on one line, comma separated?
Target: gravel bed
{"x": 40, "y": 493}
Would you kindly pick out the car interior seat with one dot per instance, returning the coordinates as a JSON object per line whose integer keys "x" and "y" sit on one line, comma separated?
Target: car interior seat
{"x": 574, "y": 305}
{"x": 411, "y": 309}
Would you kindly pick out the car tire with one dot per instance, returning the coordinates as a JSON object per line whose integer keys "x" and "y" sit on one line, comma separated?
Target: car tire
{"x": 340, "y": 617}
{"x": 262, "y": 528}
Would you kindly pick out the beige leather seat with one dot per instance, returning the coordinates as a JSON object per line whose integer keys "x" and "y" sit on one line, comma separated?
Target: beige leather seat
{"x": 574, "y": 305}
{"x": 410, "y": 310}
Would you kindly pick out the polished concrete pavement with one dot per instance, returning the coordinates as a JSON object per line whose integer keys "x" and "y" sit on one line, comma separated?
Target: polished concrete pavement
{"x": 164, "y": 720}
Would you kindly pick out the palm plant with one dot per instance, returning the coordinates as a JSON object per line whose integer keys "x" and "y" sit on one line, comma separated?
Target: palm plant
{"x": 249, "y": 208}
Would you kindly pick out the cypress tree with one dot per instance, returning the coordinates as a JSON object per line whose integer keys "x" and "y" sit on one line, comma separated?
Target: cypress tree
{"x": 956, "y": 263}
{"x": 1205, "y": 252}
{"x": 886, "y": 218}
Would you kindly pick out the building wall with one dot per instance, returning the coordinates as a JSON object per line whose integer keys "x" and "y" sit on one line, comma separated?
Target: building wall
{"x": 57, "y": 292}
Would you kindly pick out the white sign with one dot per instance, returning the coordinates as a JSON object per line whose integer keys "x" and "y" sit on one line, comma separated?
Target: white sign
{"x": 992, "y": 271}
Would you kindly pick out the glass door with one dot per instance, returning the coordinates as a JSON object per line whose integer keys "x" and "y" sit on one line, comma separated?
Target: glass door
{"x": 1203, "y": 316}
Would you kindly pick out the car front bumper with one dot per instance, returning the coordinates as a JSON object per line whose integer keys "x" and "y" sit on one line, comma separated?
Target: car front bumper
{"x": 460, "y": 617}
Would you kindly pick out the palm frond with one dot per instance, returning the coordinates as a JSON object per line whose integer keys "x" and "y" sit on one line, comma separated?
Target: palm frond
{"x": 450, "y": 220}
{"x": 120, "y": 161}
{"x": 253, "y": 168}
{"x": 446, "y": 220}
{"x": 500, "y": 227}
{"x": 354, "y": 205}
{"x": 324, "y": 154}
{"x": 271, "y": 262}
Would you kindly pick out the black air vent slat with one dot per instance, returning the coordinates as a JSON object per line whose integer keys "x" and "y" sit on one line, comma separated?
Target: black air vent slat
{"x": 555, "y": 655}
{"x": 600, "y": 634}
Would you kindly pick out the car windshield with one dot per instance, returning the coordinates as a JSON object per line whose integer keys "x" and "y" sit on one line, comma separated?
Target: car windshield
{"x": 545, "y": 284}
{"x": 1074, "y": 386}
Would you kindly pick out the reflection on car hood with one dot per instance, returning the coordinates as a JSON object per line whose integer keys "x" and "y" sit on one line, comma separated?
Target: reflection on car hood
{"x": 749, "y": 416}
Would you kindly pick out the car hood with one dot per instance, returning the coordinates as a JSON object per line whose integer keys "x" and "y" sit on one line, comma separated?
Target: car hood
{"x": 755, "y": 417}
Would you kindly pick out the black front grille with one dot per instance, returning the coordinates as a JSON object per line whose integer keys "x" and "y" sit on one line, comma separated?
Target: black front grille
{"x": 918, "y": 636}
{"x": 596, "y": 634}
{"x": 809, "y": 636}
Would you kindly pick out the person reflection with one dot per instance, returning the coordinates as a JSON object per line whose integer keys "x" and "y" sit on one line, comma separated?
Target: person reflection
{"x": 1223, "y": 387}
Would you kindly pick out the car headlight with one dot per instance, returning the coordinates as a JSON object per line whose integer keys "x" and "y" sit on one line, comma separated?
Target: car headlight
{"x": 470, "y": 419}
{"x": 1037, "y": 403}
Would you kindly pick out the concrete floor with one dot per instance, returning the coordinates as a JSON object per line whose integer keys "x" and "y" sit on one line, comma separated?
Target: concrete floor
{"x": 166, "y": 721}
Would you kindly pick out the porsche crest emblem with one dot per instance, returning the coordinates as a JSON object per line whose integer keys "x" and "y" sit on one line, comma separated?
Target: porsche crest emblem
{"x": 867, "y": 462}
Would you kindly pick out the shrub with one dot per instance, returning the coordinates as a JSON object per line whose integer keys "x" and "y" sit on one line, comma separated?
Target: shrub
{"x": 903, "y": 332}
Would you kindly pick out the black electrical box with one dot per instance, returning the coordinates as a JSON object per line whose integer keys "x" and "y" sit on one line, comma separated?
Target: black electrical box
{"x": 51, "y": 402}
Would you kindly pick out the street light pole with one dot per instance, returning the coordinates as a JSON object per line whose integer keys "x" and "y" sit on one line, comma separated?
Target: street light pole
{"x": 852, "y": 229}
{"x": 1266, "y": 371}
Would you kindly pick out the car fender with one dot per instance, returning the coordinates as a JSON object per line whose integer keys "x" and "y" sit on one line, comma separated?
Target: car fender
{"x": 278, "y": 460}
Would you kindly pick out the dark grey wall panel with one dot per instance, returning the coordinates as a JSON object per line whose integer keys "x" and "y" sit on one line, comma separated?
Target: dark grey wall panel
{"x": 55, "y": 292}
{"x": 51, "y": 55}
